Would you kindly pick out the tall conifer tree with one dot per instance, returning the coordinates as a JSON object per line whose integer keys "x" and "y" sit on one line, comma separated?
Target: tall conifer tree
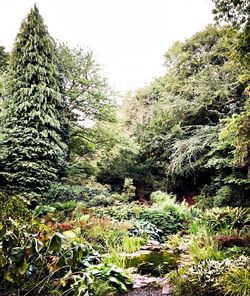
{"x": 32, "y": 150}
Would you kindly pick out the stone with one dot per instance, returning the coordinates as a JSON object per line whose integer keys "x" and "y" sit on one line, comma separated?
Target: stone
{"x": 152, "y": 246}
{"x": 166, "y": 290}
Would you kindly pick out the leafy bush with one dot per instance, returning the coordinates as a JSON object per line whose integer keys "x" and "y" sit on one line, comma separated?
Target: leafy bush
{"x": 206, "y": 278}
{"x": 92, "y": 194}
{"x": 101, "y": 287}
{"x": 165, "y": 201}
{"x": 223, "y": 196}
{"x": 115, "y": 276}
{"x": 26, "y": 258}
{"x": 114, "y": 257}
{"x": 174, "y": 241}
{"x": 145, "y": 229}
{"x": 56, "y": 212}
{"x": 14, "y": 207}
{"x": 168, "y": 222}
{"x": 120, "y": 212}
{"x": 132, "y": 244}
{"x": 168, "y": 218}
{"x": 33, "y": 258}
{"x": 128, "y": 189}
{"x": 217, "y": 231}
{"x": 166, "y": 214}
{"x": 185, "y": 284}
{"x": 225, "y": 218}
{"x": 226, "y": 241}
{"x": 111, "y": 278}
{"x": 160, "y": 198}
{"x": 64, "y": 192}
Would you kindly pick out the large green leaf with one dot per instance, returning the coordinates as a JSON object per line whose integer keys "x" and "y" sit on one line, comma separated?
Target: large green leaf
{"x": 55, "y": 243}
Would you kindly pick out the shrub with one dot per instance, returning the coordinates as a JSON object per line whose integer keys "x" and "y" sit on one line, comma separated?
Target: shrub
{"x": 120, "y": 212}
{"x": 207, "y": 277}
{"x": 167, "y": 202}
{"x": 168, "y": 222}
{"x": 35, "y": 261}
{"x": 225, "y": 218}
{"x": 183, "y": 284}
{"x": 174, "y": 241}
{"x": 92, "y": 194}
{"x": 101, "y": 287}
{"x": 145, "y": 229}
{"x": 222, "y": 197}
{"x": 117, "y": 277}
{"x": 14, "y": 207}
{"x": 103, "y": 234}
{"x": 67, "y": 206}
{"x": 59, "y": 211}
{"x": 64, "y": 192}
{"x": 131, "y": 244}
{"x": 226, "y": 241}
{"x": 167, "y": 214}
{"x": 114, "y": 257}
{"x": 128, "y": 189}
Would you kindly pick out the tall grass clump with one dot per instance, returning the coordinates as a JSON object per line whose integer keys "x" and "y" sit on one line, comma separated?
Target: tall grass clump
{"x": 165, "y": 201}
{"x": 235, "y": 282}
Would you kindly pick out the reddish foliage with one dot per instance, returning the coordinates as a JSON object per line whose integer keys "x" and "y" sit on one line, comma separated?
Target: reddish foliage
{"x": 66, "y": 226}
{"x": 86, "y": 211}
{"x": 190, "y": 200}
{"x": 62, "y": 226}
{"x": 52, "y": 259}
{"x": 229, "y": 241}
{"x": 143, "y": 201}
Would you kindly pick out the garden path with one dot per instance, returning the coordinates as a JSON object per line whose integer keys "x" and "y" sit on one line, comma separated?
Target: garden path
{"x": 142, "y": 283}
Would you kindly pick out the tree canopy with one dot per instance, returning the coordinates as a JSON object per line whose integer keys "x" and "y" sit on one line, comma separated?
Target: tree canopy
{"x": 178, "y": 120}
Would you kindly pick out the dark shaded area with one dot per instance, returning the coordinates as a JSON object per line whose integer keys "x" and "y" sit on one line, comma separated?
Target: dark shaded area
{"x": 187, "y": 188}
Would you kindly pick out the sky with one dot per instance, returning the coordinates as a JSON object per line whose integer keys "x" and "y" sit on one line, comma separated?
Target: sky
{"x": 128, "y": 37}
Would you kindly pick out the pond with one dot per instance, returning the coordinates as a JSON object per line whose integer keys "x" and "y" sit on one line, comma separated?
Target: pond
{"x": 151, "y": 262}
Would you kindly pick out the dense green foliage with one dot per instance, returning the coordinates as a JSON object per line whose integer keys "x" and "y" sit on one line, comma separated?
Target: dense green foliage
{"x": 179, "y": 121}
{"x": 237, "y": 129}
{"x": 35, "y": 258}
{"x": 214, "y": 277}
{"x": 165, "y": 216}
{"x": 90, "y": 109}
{"x": 32, "y": 150}
{"x": 4, "y": 57}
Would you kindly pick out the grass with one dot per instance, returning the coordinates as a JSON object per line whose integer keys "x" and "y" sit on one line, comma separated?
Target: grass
{"x": 131, "y": 244}
{"x": 102, "y": 288}
{"x": 174, "y": 241}
{"x": 203, "y": 246}
{"x": 235, "y": 282}
{"x": 114, "y": 257}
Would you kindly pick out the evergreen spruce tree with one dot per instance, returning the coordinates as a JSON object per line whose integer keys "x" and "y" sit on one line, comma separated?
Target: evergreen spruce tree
{"x": 32, "y": 150}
